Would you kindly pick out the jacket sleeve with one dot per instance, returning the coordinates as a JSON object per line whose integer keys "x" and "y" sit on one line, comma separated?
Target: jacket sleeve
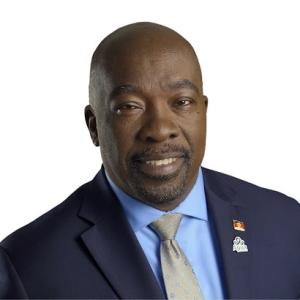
{"x": 11, "y": 286}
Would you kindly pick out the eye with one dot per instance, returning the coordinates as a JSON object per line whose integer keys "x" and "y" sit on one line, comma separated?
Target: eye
{"x": 127, "y": 108}
{"x": 183, "y": 102}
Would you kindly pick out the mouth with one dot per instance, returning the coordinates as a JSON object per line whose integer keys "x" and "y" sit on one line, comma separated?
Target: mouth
{"x": 160, "y": 167}
{"x": 161, "y": 162}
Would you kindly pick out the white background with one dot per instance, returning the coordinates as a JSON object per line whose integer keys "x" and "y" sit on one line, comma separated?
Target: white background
{"x": 250, "y": 56}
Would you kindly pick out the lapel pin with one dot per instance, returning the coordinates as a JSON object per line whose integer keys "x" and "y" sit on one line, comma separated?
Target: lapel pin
{"x": 239, "y": 245}
{"x": 238, "y": 225}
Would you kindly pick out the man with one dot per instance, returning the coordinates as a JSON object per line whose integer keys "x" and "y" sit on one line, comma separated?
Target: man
{"x": 153, "y": 223}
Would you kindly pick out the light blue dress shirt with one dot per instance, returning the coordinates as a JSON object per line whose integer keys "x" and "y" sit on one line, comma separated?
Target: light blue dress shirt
{"x": 194, "y": 235}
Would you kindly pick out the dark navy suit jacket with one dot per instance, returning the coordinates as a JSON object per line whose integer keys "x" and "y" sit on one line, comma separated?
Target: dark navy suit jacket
{"x": 85, "y": 248}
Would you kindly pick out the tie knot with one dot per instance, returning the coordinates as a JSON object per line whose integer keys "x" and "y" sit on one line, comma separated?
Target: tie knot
{"x": 166, "y": 226}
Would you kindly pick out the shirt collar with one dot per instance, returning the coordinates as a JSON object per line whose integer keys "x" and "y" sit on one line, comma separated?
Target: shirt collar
{"x": 141, "y": 215}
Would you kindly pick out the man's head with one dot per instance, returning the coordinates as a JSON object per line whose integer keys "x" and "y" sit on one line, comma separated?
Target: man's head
{"x": 148, "y": 113}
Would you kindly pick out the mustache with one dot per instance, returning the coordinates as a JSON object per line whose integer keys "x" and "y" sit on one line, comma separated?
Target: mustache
{"x": 164, "y": 150}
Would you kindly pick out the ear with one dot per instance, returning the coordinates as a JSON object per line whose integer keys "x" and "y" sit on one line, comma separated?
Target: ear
{"x": 91, "y": 123}
{"x": 205, "y": 102}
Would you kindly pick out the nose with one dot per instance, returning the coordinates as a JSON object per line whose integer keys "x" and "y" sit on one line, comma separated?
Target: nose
{"x": 159, "y": 126}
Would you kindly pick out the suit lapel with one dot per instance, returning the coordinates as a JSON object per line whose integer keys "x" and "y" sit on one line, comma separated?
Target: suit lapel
{"x": 113, "y": 245}
{"x": 223, "y": 207}
{"x": 121, "y": 259}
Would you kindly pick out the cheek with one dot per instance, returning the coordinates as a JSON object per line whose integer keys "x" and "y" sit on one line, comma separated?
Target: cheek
{"x": 124, "y": 132}
{"x": 117, "y": 138}
{"x": 195, "y": 128}
{"x": 195, "y": 133}
{"x": 198, "y": 140}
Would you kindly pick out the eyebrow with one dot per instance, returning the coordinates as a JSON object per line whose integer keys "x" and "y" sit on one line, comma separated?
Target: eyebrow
{"x": 129, "y": 88}
{"x": 124, "y": 89}
{"x": 183, "y": 83}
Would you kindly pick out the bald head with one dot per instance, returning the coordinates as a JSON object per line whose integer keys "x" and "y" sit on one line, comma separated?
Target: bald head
{"x": 134, "y": 40}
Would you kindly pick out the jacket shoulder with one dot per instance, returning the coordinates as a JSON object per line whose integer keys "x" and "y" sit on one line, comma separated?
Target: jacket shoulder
{"x": 248, "y": 194}
{"x": 57, "y": 219}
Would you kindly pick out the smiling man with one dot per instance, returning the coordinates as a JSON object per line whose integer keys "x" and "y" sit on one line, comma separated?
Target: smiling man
{"x": 153, "y": 223}
{"x": 149, "y": 113}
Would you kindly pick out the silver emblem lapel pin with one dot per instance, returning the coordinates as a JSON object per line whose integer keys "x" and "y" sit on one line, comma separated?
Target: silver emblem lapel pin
{"x": 239, "y": 245}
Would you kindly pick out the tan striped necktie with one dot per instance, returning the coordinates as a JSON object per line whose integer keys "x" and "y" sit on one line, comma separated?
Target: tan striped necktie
{"x": 179, "y": 278}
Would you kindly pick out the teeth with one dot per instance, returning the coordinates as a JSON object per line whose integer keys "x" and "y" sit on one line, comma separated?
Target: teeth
{"x": 160, "y": 162}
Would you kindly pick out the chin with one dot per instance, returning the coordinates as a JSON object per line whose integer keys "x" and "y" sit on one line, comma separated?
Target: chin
{"x": 160, "y": 191}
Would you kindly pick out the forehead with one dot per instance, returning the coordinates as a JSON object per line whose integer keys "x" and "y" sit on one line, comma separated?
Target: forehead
{"x": 151, "y": 65}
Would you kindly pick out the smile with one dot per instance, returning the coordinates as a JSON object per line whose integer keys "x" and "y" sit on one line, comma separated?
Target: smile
{"x": 159, "y": 167}
{"x": 161, "y": 162}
